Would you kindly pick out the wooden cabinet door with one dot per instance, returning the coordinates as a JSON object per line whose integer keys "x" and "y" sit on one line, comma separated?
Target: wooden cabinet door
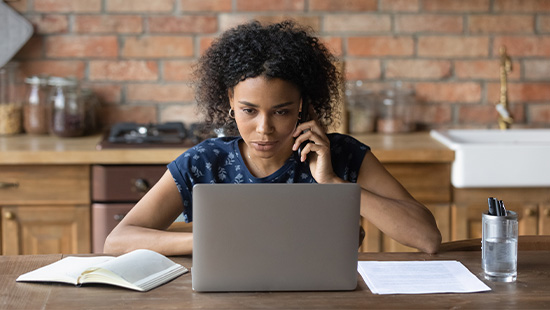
{"x": 45, "y": 229}
{"x": 544, "y": 219}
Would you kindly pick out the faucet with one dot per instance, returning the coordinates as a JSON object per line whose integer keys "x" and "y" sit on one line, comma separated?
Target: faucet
{"x": 504, "y": 118}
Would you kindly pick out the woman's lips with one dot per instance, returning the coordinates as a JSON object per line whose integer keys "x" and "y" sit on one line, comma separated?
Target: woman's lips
{"x": 264, "y": 146}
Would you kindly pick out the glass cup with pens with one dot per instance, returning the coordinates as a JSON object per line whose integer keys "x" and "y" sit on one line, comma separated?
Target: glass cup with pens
{"x": 499, "y": 248}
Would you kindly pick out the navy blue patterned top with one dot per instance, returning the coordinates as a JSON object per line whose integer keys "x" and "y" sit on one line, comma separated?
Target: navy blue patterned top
{"x": 219, "y": 160}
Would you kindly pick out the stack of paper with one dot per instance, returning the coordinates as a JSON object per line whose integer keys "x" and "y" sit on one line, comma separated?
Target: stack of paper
{"x": 419, "y": 277}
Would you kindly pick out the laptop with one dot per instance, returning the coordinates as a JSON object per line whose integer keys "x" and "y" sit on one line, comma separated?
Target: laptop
{"x": 275, "y": 237}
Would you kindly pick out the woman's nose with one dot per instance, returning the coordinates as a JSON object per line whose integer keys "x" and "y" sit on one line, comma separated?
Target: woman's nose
{"x": 265, "y": 124}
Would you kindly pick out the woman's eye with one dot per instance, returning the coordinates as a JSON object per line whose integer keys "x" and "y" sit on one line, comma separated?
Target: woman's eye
{"x": 281, "y": 112}
{"x": 248, "y": 111}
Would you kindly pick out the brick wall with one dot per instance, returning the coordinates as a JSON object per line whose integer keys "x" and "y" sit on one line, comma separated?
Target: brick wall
{"x": 137, "y": 54}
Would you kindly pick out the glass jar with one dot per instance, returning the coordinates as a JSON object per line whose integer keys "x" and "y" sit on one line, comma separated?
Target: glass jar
{"x": 396, "y": 110}
{"x": 67, "y": 108}
{"x": 91, "y": 105}
{"x": 360, "y": 107}
{"x": 35, "y": 106}
{"x": 10, "y": 106}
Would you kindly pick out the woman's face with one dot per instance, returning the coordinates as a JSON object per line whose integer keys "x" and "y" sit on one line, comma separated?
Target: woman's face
{"x": 266, "y": 113}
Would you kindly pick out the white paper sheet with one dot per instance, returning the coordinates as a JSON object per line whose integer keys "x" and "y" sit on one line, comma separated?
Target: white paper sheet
{"x": 419, "y": 277}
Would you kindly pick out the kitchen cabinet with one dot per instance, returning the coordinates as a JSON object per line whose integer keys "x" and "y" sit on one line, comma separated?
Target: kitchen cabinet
{"x": 531, "y": 204}
{"x": 53, "y": 182}
{"x": 45, "y": 209}
{"x": 430, "y": 184}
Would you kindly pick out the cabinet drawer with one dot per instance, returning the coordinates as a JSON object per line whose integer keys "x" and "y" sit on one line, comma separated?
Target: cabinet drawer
{"x": 126, "y": 183}
{"x": 60, "y": 184}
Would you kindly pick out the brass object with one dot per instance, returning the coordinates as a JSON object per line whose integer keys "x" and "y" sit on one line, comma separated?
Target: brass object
{"x": 504, "y": 118}
{"x": 8, "y": 184}
{"x": 9, "y": 215}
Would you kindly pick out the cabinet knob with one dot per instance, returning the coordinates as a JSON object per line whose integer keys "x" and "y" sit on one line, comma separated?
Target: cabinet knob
{"x": 9, "y": 215}
{"x": 141, "y": 185}
{"x": 8, "y": 184}
{"x": 546, "y": 212}
{"x": 530, "y": 212}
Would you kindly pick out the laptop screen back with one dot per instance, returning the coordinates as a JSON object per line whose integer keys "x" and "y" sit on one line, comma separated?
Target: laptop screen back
{"x": 275, "y": 237}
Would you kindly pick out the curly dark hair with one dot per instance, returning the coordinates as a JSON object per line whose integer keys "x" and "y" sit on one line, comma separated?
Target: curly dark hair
{"x": 284, "y": 50}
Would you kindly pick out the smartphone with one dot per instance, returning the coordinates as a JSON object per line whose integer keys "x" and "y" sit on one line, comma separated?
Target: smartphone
{"x": 304, "y": 116}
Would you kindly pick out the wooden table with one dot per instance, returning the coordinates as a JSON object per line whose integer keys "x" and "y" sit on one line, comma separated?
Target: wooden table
{"x": 531, "y": 291}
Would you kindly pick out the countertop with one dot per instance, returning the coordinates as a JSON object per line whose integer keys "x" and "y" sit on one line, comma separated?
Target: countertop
{"x": 25, "y": 149}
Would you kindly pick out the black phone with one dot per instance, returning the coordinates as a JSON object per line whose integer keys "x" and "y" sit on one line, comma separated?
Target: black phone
{"x": 304, "y": 115}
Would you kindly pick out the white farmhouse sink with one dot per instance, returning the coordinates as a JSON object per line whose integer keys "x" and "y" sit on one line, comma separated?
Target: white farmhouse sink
{"x": 498, "y": 158}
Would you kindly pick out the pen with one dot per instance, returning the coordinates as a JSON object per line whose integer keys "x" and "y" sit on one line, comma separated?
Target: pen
{"x": 492, "y": 206}
{"x": 502, "y": 208}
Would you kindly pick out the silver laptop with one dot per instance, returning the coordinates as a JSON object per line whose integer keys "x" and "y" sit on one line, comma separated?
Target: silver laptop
{"x": 275, "y": 237}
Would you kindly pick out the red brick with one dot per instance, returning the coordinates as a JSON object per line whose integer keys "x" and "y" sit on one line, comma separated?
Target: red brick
{"x": 484, "y": 69}
{"x": 108, "y": 24}
{"x": 502, "y": 23}
{"x": 111, "y": 114}
{"x": 231, "y": 20}
{"x": 430, "y": 114}
{"x": 477, "y": 114}
{"x": 523, "y": 45}
{"x": 544, "y": 24}
{"x": 362, "y": 69}
{"x": 418, "y": 69}
{"x": 467, "y": 92}
{"x": 157, "y": 46}
{"x": 535, "y": 6}
{"x": 539, "y": 113}
{"x": 49, "y": 23}
{"x": 20, "y": 5}
{"x": 82, "y": 46}
{"x": 178, "y": 70}
{"x": 206, "y": 5}
{"x": 132, "y": 70}
{"x": 264, "y": 6}
{"x": 487, "y": 114}
{"x": 343, "y": 5}
{"x": 204, "y": 43}
{"x": 428, "y": 23}
{"x": 186, "y": 113}
{"x": 32, "y": 49}
{"x": 400, "y": 5}
{"x": 363, "y": 23}
{"x": 380, "y": 46}
{"x": 183, "y": 24}
{"x": 447, "y": 46}
{"x": 67, "y": 6}
{"x": 333, "y": 44}
{"x": 53, "y": 67}
{"x": 180, "y": 92}
{"x": 146, "y": 6}
{"x": 466, "y": 6}
{"x": 536, "y": 69}
{"x": 522, "y": 92}
{"x": 107, "y": 93}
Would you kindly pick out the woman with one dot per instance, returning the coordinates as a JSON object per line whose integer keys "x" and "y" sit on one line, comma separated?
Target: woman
{"x": 266, "y": 80}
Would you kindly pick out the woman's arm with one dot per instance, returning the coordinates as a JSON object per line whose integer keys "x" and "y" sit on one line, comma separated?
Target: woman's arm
{"x": 388, "y": 205}
{"x": 144, "y": 227}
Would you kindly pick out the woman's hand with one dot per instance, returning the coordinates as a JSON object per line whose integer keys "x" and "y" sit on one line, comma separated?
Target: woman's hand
{"x": 317, "y": 151}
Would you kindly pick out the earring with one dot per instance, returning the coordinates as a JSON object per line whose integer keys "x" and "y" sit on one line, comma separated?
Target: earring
{"x": 231, "y": 113}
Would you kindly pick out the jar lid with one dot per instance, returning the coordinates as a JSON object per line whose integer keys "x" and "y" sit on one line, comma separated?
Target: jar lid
{"x": 37, "y": 80}
{"x": 60, "y": 81}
